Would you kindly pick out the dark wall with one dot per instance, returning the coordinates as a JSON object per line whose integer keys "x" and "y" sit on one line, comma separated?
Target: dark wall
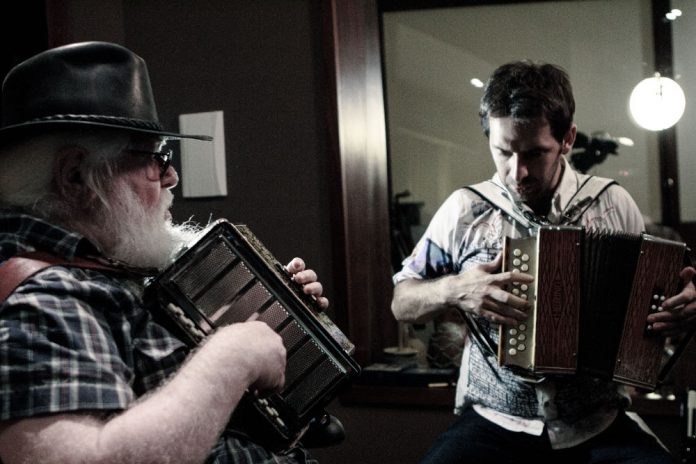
{"x": 385, "y": 435}
{"x": 22, "y": 33}
{"x": 258, "y": 62}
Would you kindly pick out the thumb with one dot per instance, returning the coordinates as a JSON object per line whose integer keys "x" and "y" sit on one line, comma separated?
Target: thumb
{"x": 493, "y": 266}
{"x": 295, "y": 265}
{"x": 687, "y": 274}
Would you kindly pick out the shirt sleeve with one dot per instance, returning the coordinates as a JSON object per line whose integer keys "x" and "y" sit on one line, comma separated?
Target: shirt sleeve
{"x": 433, "y": 254}
{"x": 617, "y": 211}
{"x": 634, "y": 221}
{"x": 59, "y": 349}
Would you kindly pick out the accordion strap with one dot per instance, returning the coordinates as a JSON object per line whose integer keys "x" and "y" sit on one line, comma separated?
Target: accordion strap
{"x": 583, "y": 198}
{"x": 588, "y": 192}
{"x": 19, "y": 268}
{"x": 497, "y": 196}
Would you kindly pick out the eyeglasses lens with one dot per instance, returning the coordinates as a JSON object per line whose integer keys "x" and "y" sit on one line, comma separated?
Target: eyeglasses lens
{"x": 163, "y": 160}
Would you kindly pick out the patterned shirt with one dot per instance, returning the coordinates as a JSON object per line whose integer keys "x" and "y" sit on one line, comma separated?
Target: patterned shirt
{"x": 466, "y": 231}
{"x": 74, "y": 339}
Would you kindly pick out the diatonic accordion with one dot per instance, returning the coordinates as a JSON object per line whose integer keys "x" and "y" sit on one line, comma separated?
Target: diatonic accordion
{"x": 228, "y": 276}
{"x": 590, "y": 299}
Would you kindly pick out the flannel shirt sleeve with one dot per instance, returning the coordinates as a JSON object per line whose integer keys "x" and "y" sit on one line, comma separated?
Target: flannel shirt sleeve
{"x": 59, "y": 338}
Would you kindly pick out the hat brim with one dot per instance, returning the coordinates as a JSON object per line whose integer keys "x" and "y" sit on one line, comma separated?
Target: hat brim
{"x": 16, "y": 131}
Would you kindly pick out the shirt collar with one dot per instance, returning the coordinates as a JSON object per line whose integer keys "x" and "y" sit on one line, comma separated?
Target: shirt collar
{"x": 21, "y": 232}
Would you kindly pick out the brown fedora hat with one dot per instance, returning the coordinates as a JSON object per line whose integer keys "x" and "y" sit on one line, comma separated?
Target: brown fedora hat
{"x": 88, "y": 83}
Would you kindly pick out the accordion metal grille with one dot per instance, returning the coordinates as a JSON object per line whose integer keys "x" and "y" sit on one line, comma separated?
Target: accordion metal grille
{"x": 223, "y": 288}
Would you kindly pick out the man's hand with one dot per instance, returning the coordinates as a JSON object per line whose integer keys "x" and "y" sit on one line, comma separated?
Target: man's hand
{"x": 308, "y": 279}
{"x": 263, "y": 353}
{"x": 480, "y": 291}
{"x": 678, "y": 313}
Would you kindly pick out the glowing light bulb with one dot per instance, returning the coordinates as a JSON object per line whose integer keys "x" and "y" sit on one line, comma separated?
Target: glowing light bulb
{"x": 657, "y": 103}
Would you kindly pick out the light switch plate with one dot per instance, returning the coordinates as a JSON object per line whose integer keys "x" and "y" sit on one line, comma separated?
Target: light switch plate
{"x": 203, "y": 167}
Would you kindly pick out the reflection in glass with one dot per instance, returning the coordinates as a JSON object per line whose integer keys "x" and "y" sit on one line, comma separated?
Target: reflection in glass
{"x": 436, "y": 59}
{"x": 432, "y": 55}
{"x": 657, "y": 103}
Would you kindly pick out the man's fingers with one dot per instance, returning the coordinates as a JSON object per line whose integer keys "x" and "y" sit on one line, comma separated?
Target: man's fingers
{"x": 305, "y": 277}
{"x": 295, "y": 265}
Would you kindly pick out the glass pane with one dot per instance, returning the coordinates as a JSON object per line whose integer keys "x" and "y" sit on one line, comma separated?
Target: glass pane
{"x": 684, "y": 44}
{"x": 431, "y": 56}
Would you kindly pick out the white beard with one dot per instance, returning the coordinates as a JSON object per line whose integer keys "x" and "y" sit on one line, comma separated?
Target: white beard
{"x": 137, "y": 236}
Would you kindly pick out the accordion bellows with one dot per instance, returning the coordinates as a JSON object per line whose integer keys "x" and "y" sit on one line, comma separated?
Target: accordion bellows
{"x": 226, "y": 277}
{"x": 590, "y": 299}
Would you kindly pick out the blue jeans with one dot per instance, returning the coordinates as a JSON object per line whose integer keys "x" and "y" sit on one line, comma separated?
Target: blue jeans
{"x": 473, "y": 439}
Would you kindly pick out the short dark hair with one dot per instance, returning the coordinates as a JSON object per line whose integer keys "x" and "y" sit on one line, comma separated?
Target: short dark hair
{"x": 526, "y": 90}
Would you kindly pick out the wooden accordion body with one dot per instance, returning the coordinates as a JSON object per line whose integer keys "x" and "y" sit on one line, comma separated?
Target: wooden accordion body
{"x": 226, "y": 277}
{"x": 589, "y": 302}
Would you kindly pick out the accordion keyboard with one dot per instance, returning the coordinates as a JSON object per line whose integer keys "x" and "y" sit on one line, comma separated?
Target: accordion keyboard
{"x": 516, "y": 347}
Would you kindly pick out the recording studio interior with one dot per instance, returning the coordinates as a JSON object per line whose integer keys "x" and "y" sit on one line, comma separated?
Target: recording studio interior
{"x": 341, "y": 125}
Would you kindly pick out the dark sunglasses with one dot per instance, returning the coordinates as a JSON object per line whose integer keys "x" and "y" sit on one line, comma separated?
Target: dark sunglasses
{"x": 163, "y": 159}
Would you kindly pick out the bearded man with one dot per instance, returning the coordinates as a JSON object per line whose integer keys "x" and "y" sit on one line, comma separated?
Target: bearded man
{"x": 88, "y": 374}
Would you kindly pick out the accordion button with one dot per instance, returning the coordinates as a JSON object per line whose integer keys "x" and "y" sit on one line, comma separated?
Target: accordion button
{"x": 656, "y": 297}
{"x": 524, "y": 287}
{"x": 515, "y": 291}
{"x": 517, "y": 252}
{"x": 522, "y": 327}
{"x": 521, "y": 347}
{"x": 525, "y": 257}
{"x": 512, "y": 351}
{"x": 522, "y": 337}
{"x": 524, "y": 267}
{"x": 512, "y": 341}
{"x": 516, "y": 262}
{"x": 513, "y": 332}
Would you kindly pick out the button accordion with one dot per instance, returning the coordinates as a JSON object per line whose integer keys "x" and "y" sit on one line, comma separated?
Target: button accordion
{"x": 228, "y": 276}
{"x": 590, "y": 298}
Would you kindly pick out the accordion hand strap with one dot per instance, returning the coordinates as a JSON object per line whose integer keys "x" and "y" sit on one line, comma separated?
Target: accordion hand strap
{"x": 688, "y": 261}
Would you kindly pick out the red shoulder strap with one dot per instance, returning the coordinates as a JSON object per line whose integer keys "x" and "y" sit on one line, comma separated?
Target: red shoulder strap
{"x": 19, "y": 268}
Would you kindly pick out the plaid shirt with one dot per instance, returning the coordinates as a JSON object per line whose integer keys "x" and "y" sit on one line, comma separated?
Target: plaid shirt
{"x": 75, "y": 339}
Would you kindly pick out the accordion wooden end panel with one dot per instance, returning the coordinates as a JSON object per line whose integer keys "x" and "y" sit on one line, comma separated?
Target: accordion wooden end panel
{"x": 639, "y": 355}
{"x": 589, "y": 302}
{"x": 226, "y": 277}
